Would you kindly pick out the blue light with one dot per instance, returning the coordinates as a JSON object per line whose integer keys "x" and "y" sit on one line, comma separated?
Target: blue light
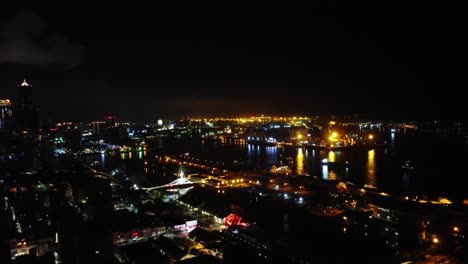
{"x": 325, "y": 172}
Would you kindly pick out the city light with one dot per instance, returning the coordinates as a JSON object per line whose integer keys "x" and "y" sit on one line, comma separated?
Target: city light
{"x": 152, "y": 146}
{"x": 333, "y": 136}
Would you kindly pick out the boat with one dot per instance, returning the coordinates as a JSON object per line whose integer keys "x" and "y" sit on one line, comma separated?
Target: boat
{"x": 407, "y": 165}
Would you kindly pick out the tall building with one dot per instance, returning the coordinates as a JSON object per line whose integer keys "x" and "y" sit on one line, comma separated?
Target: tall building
{"x": 25, "y": 113}
{"x": 97, "y": 127}
{"x": 109, "y": 121}
{"x": 5, "y": 113}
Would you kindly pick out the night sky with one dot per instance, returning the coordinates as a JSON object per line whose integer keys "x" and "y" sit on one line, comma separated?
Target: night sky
{"x": 393, "y": 59}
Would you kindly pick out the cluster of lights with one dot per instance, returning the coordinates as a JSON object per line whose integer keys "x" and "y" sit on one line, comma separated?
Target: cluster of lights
{"x": 189, "y": 163}
{"x": 251, "y": 119}
{"x": 333, "y": 137}
{"x": 195, "y": 159}
{"x": 5, "y": 102}
{"x": 230, "y": 182}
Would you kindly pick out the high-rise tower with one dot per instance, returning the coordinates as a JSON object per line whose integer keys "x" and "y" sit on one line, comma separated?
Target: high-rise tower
{"x": 25, "y": 112}
{"x": 25, "y": 96}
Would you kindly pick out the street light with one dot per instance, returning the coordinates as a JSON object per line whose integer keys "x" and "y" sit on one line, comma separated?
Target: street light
{"x": 371, "y": 136}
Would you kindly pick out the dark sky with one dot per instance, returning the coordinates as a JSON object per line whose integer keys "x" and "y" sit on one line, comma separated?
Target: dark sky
{"x": 392, "y": 59}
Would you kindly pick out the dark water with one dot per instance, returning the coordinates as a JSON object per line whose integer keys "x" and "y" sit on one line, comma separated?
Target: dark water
{"x": 439, "y": 163}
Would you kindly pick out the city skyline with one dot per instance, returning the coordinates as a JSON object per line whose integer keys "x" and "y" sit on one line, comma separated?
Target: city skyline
{"x": 230, "y": 132}
{"x": 180, "y": 59}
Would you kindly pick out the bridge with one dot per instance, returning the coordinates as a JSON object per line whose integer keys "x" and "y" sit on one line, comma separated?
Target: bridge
{"x": 180, "y": 182}
{"x": 102, "y": 175}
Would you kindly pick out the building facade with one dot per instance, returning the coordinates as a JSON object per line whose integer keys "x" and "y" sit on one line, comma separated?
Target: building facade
{"x": 6, "y": 113}
{"x": 26, "y": 115}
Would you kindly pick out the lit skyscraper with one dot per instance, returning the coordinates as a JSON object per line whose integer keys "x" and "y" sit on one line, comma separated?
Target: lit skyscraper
{"x": 110, "y": 122}
{"x": 5, "y": 113}
{"x": 25, "y": 112}
{"x": 25, "y": 96}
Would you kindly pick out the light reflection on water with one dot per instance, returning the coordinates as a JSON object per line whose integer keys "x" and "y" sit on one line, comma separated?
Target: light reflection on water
{"x": 379, "y": 167}
{"x": 331, "y": 156}
{"x": 300, "y": 162}
{"x": 271, "y": 155}
{"x": 254, "y": 156}
{"x": 325, "y": 172}
{"x": 370, "y": 179}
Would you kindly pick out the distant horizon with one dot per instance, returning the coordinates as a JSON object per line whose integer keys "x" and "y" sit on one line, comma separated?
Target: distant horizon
{"x": 79, "y": 115}
{"x": 320, "y": 117}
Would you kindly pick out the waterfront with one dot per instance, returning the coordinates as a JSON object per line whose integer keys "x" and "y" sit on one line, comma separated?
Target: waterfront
{"x": 328, "y": 202}
{"x": 288, "y": 214}
{"x": 438, "y": 162}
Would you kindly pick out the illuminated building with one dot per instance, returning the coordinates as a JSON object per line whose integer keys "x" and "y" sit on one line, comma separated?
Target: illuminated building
{"x": 109, "y": 121}
{"x": 25, "y": 112}
{"x": 5, "y": 113}
{"x": 103, "y": 127}
{"x": 135, "y": 235}
{"x": 97, "y": 127}
{"x": 35, "y": 247}
{"x": 234, "y": 220}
